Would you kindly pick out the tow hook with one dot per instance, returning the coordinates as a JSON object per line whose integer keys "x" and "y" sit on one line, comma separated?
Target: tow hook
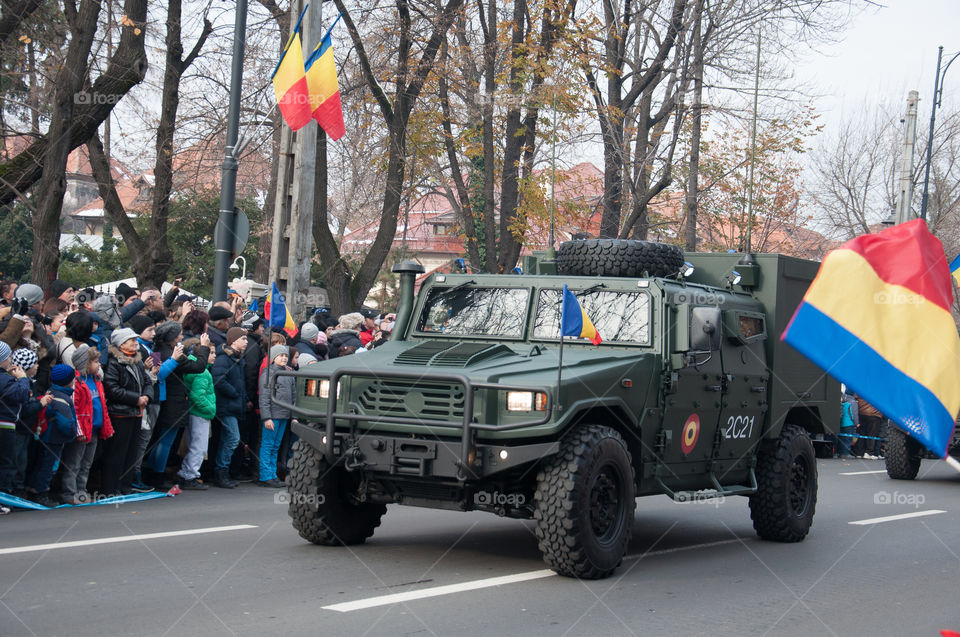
{"x": 353, "y": 459}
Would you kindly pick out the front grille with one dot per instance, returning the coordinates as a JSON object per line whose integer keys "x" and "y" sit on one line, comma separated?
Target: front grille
{"x": 413, "y": 399}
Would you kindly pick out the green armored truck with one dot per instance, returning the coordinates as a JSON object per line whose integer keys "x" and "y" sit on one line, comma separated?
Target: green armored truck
{"x": 690, "y": 394}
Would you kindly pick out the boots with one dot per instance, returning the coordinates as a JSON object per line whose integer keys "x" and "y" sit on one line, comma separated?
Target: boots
{"x": 223, "y": 479}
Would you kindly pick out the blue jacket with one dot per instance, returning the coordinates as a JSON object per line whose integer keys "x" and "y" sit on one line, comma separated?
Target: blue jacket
{"x": 846, "y": 420}
{"x": 14, "y": 394}
{"x": 61, "y": 417}
{"x": 228, "y": 383}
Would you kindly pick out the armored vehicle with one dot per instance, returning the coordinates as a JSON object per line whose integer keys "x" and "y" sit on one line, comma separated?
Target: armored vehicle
{"x": 690, "y": 394}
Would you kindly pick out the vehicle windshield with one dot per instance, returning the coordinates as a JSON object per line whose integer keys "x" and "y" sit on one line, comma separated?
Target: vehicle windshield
{"x": 469, "y": 311}
{"x": 620, "y": 317}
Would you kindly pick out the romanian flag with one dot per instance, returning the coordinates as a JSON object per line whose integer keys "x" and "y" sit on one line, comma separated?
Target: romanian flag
{"x": 955, "y": 269}
{"x": 290, "y": 82}
{"x": 276, "y": 312}
{"x": 877, "y": 317}
{"x": 574, "y": 321}
{"x": 324, "y": 90}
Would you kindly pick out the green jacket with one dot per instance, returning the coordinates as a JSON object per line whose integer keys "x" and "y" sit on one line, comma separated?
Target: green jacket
{"x": 203, "y": 401}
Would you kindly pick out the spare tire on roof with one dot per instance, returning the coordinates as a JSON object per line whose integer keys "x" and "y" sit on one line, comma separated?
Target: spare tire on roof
{"x": 618, "y": 257}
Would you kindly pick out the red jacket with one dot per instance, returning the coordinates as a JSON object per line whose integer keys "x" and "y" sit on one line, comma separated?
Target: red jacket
{"x": 83, "y": 403}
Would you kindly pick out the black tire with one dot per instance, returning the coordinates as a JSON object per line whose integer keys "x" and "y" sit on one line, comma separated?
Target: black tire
{"x": 585, "y": 504}
{"x": 823, "y": 449}
{"x": 618, "y": 257}
{"x": 782, "y": 508}
{"x": 319, "y": 502}
{"x": 902, "y": 456}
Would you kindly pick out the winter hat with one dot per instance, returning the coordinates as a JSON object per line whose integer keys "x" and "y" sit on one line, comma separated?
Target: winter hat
{"x": 31, "y": 293}
{"x": 4, "y": 351}
{"x": 124, "y": 292}
{"x": 24, "y": 357}
{"x": 58, "y": 287}
{"x": 183, "y": 298}
{"x": 166, "y": 332}
{"x": 309, "y": 332}
{"x": 234, "y": 333}
{"x": 306, "y": 359}
{"x": 351, "y": 321}
{"x": 80, "y": 358}
{"x": 218, "y": 313}
{"x": 103, "y": 306}
{"x": 277, "y": 350}
{"x": 140, "y": 322}
{"x": 61, "y": 374}
{"x": 121, "y": 336}
{"x": 322, "y": 337}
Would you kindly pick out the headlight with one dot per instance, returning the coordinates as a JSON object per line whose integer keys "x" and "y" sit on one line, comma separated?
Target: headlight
{"x": 526, "y": 401}
{"x": 325, "y": 389}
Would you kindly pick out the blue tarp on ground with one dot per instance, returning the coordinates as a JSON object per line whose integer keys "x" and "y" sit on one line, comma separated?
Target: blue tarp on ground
{"x": 13, "y": 501}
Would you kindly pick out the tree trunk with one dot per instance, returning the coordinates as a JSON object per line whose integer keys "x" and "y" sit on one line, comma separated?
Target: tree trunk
{"x": 53, "y": 183}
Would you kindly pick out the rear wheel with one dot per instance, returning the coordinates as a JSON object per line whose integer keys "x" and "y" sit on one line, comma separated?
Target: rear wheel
{"x": 902, "y": 455}
{"x": 782, "y": 508}
{"x": 585, "y": 504}
{"x": 322, "y": 501}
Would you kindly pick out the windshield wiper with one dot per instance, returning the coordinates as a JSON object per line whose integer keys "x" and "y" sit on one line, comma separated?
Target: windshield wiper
{"x": 592, "y": 288}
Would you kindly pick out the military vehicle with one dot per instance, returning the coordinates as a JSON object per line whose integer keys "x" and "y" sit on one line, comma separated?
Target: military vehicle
{"x": 902, "y": 454}
{"x": 691, "y": 394}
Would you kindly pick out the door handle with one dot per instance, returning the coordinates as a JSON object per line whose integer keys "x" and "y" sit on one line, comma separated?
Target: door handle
{"x": 714, "y": 387}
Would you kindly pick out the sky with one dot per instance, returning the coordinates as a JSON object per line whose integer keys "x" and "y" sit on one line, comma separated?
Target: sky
{"x": 885, "y": 53}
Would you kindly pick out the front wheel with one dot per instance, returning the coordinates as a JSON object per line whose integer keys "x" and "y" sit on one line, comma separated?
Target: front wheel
{"x": 902, "y": 455}
{"x": 782, "y": 508}
{"x": 585, "y": 504}
{"x": 322, "y": 503}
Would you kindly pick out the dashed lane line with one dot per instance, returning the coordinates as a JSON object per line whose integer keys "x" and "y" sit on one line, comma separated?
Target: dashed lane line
{"x": 893, "y": 518}
{"x": 861, "y": 473}
{"x": 122, "y": 538}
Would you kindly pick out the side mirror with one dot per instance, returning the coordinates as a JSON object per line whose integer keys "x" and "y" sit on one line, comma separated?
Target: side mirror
{"x": 705, "y": 324}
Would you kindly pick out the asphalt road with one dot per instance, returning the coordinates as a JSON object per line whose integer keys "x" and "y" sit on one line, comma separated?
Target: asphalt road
{"x": 693, "y": 569}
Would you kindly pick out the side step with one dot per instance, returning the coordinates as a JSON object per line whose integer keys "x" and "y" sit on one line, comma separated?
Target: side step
{"x": 719, "y": 491}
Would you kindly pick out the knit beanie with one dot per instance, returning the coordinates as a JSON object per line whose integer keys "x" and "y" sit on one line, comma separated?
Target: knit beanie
{"x": 306, "y": 359}
{"x": 31, "y": 293}
{"x": 121, "y": 336}
{"x": 4, "y": 351}
{"x": 234, "y": 333}
{"x": 24, "y": 357}
{"x": 166, "y": 332}
{"x": 80, "y": 358}
{"x": 140, "y": 322}
{"x": 309, "y": 332}
{"x": 61, "y": 374}
{"x": 277, "y": 350}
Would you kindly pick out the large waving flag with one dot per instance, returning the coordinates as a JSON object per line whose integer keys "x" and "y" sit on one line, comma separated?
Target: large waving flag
{"x": 324, "y": 90}
{"x": 877, "y": 318}
{"x": 290, "y": 82}
{"x": 276, "y": 312}
{"x": 574, "y": 320}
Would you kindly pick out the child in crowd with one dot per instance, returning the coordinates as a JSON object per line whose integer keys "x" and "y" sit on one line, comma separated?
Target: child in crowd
{"x": 27, "y": 360}
{"x": 90, "y": 403}
{"x": 14, "y": 394}
{"x": 61, "y": 428}
{"x": 203, "y": 407}
{"x": 274, "y": 417}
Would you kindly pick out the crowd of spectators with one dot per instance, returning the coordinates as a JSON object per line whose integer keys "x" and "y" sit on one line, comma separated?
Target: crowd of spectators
{"x": 135, "y": 391}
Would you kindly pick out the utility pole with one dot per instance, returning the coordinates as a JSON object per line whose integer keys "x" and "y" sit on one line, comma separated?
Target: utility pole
{"x": 228, "y": 185}
{"x": 292, "y": 245}
{"x": 905, "y": 191}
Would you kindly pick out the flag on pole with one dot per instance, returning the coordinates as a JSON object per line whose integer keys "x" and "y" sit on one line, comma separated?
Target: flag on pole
{"x": 290, "y": 82}
{"x": 276, "y": 312}
{"x": 877, "y": 317}
{"x": 574, "y": 320}
{"x": 324, "y": 91}
{"x": 955, "y": 269}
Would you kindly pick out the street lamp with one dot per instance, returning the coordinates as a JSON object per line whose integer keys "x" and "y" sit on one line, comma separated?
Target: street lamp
{"x": 937, "y": 99}
{"x": 234, "y": 267}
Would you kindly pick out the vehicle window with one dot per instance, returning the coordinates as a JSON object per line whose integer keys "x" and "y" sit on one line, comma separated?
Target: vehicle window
{"x": 475, "y": 311}
{"x": 620, "y": 317}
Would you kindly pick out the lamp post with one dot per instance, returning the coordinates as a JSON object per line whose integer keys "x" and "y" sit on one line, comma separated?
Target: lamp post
{"x": 937, "y": 99}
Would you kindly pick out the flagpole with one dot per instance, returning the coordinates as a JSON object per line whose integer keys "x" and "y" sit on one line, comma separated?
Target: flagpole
{"x": 953, "y": 462}
{"x": 559, "y": 366}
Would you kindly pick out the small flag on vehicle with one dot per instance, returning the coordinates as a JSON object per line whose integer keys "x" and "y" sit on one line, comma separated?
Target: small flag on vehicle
{"x": 877, "y": 317}
{"x": 574, "y": 320}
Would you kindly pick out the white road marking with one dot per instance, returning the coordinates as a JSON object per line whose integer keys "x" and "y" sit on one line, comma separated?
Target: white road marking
{"x": 396, "y": 598}
{"x": 861, "y": 473}
{"x": 902, "y": 516}
{"x": 122, "y": 538}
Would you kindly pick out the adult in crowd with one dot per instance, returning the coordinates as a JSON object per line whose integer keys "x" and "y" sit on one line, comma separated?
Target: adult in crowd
{"x": 871, "y": 422}
{"x": 7, "y": 289}
{"x": 145, "y": 326}
{"x": 112, "y": 314}
{"x": 310, "y": 341}
{"x": 244, "y": 463}
{"x": 79, "y": 331}
{"x": 62, "y": 290}
{"x": 220, "y": 321}
{"x": 368, "y": 326}
{"x": 152, "y": 300}
{"x": 129, "y": 391}
{"x": 26, "y": 359}
{"x": 849, "y": 418}
{"x": 228, "y": 382}
{"x": 14, "y": 394}
{"x": 85, "y": 299}
{"x": 34, "y": 332}
{"x": 274, "y": 417}
{"x": 194, "y": 324}
{"x": 346, "y": 334}
{"x": 172, "y": 395}
{"x": 93, "y": 421}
